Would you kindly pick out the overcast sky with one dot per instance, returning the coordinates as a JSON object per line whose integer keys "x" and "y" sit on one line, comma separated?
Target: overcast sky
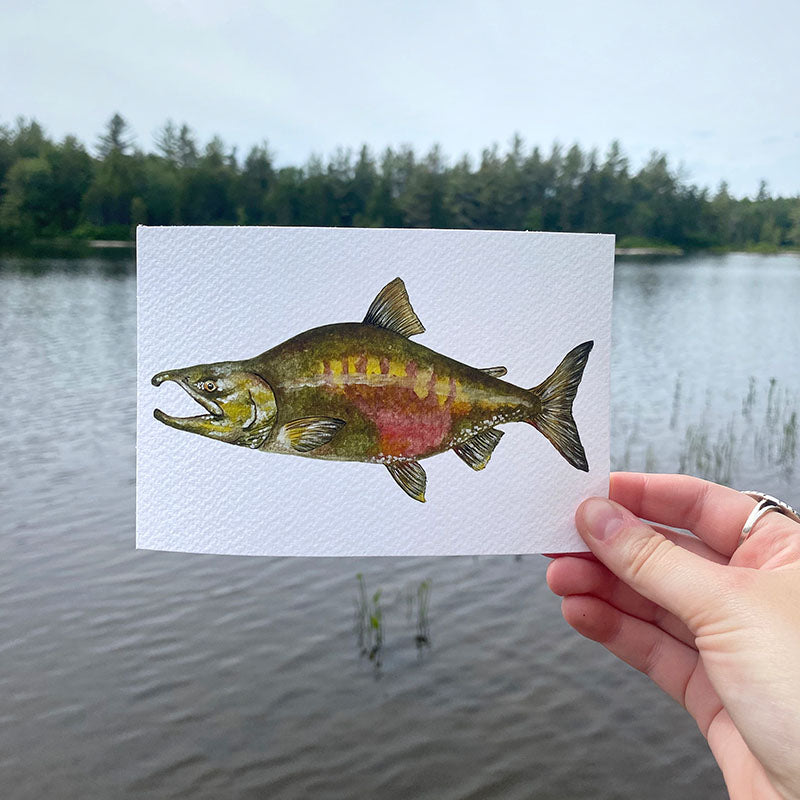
{"x": 713, "y": 84}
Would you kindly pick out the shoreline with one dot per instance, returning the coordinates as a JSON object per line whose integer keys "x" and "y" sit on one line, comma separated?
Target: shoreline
{"x": 110, "y": 244}
{"x": 78, "y": 246}
{"x": 650, "y": 251}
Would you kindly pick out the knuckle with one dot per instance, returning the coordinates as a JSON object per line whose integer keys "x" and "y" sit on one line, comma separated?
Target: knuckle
{"x": 646, "y": 555}
{"x": 698, "y": 505}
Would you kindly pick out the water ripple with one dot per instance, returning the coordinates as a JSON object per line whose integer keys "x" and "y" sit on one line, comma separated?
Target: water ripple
{"x": 136, "y": 674}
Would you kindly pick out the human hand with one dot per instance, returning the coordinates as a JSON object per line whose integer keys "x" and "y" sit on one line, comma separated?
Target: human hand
{"x": 715, "y": 626}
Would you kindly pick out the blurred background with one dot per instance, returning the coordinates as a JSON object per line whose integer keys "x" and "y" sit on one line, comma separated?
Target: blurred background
{"x": 139, "y": 674}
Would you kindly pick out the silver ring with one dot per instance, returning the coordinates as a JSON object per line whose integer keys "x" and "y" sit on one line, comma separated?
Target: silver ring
{"x": 766, "y": 503}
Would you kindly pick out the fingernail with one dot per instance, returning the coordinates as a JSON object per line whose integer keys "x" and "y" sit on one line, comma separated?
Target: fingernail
{"x": 599, "y": 518}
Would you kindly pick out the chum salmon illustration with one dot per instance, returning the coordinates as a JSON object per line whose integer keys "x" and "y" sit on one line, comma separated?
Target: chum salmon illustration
{"x": 363, "y": 391}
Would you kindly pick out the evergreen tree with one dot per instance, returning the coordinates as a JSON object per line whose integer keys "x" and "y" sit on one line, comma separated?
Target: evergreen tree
{"x": 72, "y": 169}
{"x": 168, "y": 142}
{"x": 254, "y": 184}
{"x": 27, "y": 209}
{"x": 382, "y": 210}
{"x": 207, "y": 192}
{"x": 117, "y": 138}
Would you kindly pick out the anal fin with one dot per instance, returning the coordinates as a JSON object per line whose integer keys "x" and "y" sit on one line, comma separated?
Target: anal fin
{"x": 478, "y": 450}
{"x": 410, "y": 477}
{"x": 309, "y": 433}
{"x": 495, "y": 372}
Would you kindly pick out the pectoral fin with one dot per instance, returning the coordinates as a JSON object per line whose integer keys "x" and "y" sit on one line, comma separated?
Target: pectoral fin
{"x": 411, "y": 478}
{"x": 495, "y": 372}
{"x": 478, "y": 450}
{"x": 310, "y": 432}
{"x": 254, "y": 437}
{"x": 391, "y": 309}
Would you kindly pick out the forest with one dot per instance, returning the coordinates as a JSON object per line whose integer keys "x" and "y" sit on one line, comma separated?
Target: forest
{"x": 62, "y": 191}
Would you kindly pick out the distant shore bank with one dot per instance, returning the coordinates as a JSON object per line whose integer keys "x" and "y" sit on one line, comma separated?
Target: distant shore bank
{"x": 116, "y": 244}
{"x": 66, "y": 247}
{"x": 110, "y": 244}
{"x": 649, "y": 251}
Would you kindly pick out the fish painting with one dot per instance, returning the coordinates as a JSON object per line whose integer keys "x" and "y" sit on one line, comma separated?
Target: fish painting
{"x": 364, "y": 391}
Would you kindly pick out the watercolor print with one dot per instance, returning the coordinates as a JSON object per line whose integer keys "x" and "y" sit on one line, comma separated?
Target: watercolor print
{"x": 364, "y": 391}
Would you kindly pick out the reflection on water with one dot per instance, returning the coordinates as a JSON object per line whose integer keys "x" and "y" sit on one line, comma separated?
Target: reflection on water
{"x": 112, "y": 263}
{"x": 131, "y": 674}
{"x": 423, "y": 597}
{"x": 371, "y": 624}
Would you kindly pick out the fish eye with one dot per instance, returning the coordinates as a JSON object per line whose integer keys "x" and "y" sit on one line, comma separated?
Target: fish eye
{"x": 209, "y": 386}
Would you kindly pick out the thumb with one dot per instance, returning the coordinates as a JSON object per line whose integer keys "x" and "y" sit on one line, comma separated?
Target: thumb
{"x": 684, "y": 583}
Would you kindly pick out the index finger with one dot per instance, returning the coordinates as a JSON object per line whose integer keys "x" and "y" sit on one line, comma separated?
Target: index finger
{"x": 714, "y": 513}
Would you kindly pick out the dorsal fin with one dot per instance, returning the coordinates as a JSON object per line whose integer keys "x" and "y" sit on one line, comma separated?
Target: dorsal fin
{"x": 495, "y": 372}
{"x": 478, "y": 450}
{"x": 391, "y": 309}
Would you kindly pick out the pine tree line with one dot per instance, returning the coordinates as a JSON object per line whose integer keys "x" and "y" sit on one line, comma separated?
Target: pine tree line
{"x": 53, "y": 190}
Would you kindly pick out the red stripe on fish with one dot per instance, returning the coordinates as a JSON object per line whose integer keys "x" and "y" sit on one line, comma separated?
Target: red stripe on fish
{"x": 411, "y": 436}
{"x": 407, "y": 426}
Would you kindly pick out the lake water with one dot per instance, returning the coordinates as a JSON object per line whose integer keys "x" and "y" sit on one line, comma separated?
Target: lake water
{"x": 131, "y": 674}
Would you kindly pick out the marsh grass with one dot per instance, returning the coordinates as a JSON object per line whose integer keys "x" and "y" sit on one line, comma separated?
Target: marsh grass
{"x": 369, "y": 622}
{"x": 761, "y": 437}
{"x": 419, "y": 600}
{"x": 708, "y": 454}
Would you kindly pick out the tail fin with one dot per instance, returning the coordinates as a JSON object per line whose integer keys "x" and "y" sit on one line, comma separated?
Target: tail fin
{"x": 557, "y": 394}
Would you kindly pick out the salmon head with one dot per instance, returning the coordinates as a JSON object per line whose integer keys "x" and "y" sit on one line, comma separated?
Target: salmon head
{"x": 239, "y": 404}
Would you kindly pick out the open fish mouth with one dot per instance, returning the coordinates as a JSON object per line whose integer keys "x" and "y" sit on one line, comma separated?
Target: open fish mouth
{"x": 214, "y": 411}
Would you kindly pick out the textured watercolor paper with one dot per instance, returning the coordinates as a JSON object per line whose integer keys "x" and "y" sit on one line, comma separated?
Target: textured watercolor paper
{"x": 518, "y": 299}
